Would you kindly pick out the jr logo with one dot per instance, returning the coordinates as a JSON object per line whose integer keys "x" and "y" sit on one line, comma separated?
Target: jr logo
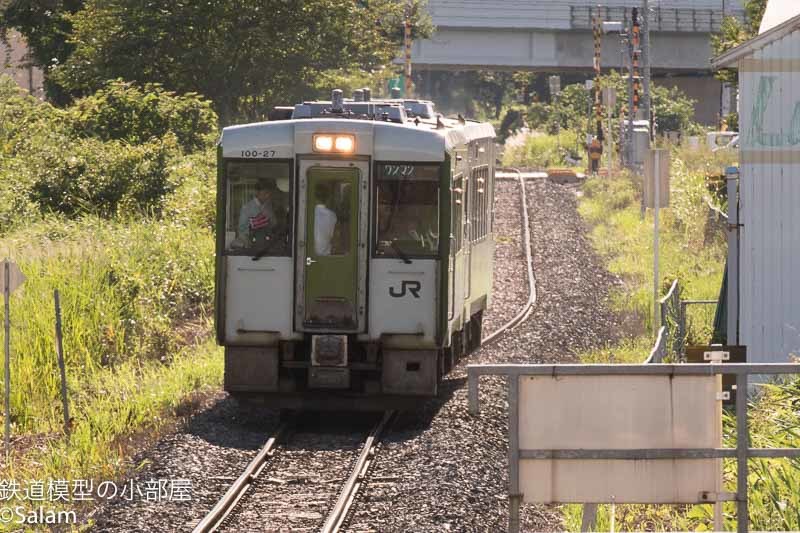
{"x": 411, "y": 286}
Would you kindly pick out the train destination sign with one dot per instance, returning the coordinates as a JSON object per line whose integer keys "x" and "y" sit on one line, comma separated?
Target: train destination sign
{"x": 408, "y": 171}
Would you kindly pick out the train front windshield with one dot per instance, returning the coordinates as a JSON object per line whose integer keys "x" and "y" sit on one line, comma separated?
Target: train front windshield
{"x": 407, "y": 210}
{"x": 258, "y": 208}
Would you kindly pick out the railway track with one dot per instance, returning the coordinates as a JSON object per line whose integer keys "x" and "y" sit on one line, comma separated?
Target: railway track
{"x": 338, "y": 516}
{"x": 224, "y": 514}
{"x": 526, "y": 311}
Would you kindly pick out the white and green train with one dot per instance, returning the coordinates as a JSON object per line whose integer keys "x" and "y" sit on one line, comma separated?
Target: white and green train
{"x": 354, "y": 252}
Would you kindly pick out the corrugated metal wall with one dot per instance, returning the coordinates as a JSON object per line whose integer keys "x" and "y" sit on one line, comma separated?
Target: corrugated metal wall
{"x": 770, "y": 201}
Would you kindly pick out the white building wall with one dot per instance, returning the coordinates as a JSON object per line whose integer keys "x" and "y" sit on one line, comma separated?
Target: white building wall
{"x": 770, "y": 201}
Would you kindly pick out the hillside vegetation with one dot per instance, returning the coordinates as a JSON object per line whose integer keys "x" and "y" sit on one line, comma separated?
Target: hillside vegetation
{"x": 110, "y": 201}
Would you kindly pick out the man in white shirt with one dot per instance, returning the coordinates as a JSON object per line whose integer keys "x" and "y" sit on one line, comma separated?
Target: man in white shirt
{"x": 324, "y": 220}
{"x": 257, "y": 218}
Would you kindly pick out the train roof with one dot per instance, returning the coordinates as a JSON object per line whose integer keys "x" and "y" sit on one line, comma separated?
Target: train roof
{"x": 412, "y": 138}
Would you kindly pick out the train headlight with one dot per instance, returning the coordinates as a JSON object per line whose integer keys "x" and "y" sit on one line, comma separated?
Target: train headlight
{"x": 343, "y": 144}
{"x": 323, "y": 143}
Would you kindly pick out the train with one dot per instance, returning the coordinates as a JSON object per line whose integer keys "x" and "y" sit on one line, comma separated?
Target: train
{"x": 354, "y": 252}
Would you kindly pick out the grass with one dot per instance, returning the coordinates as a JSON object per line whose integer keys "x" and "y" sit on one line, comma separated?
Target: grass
{"x": 136, "y": 300}
{"x": 687, "y": 249}
{"x": 543, "y": 151}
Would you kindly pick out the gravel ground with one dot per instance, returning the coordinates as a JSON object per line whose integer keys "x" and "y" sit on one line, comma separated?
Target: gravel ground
{"x": 439, "y": 469}
{"x": 210, "y": 451}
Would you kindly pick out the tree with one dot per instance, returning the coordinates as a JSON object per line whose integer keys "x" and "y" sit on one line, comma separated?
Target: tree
{"x": 46, "y": 26}
{"x": 734, "y": 32}
{"x": 244, "y": 55}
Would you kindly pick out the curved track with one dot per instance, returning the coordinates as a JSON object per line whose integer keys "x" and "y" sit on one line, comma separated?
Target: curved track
{"x": 338, "y": 515}
{"x": 526, "y": 237}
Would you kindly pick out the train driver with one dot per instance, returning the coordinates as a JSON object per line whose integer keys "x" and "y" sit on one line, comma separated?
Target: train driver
{"x": 257, "y": 217}
{"x": 324, "y": 219}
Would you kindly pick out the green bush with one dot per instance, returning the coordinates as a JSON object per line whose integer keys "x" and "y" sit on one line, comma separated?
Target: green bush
{"x": 125, "y": 112}
{"x": 116, "y": 152}
{"x": 513, "y": 119}
{"x": 193, "y": 201}
{"x": 106, "y": 178}
{"x": 543, "y": 151}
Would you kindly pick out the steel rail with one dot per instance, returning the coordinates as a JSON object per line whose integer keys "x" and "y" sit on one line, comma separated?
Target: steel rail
{"x": 339, "y": 513}
{"x": 526, "y": 311}
{"x": 231, "y": 498}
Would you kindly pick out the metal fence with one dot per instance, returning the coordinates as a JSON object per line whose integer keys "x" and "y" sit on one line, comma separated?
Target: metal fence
{"x": 672, "y": 332}
{"x": 742, "y": 452}
{"x": 670, "y": 318}
{"x": 661, "y": 18}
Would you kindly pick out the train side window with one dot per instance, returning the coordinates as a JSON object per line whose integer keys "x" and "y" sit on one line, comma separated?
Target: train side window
{"x": 473, "y": 205}
{"x": 482, "y": 195}
{"x": 258, "y": 208}
{"x": 407, "y": 210}
{"x": 457, "y": 222}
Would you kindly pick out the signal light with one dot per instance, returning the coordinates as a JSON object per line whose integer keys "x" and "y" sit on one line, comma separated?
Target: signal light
{"x": 343, "y": 144}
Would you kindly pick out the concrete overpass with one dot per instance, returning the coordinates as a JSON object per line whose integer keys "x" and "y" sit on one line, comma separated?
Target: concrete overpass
{"x": 556, "y": 36}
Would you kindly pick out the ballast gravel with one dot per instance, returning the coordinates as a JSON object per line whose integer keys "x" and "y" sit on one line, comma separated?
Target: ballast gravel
{"x": 438, "y": 469}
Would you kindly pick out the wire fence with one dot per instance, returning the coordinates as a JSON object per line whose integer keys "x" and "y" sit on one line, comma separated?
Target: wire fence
{"x": 672, "y": 330}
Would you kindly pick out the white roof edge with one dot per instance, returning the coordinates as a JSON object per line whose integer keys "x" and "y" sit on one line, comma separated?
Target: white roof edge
{"x": 732, "y": 56}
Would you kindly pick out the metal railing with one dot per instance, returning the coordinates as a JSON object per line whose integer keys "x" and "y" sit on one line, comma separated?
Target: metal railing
{"x": 672, "y": 332}
{"x": 670, "y": 320}
{"x": 661, "y": 19}
{"x": 742, "y": 452}
{"x": 659, "y": 351}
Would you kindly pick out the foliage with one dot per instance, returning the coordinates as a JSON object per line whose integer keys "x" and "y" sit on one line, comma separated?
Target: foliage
{"x": 245, "y": 57}
{"x": 523, "y": 84}
{"x": 571, "y": 108}
{"x": 124, "y": 112}
{"x": 106, "y": 178}
{"x": 192, "y": 202}
{"x": 80, "y": 193}
{"x": 116, "y": 152}
{"x": 687, "y": 250}
{"x": 673, "y": 110}
{"x": 46, "y": 27}
{"x": 733, "y": 33}
{"x": 546, "y": 151}
{"x": 491, "y": 88}
{"x": 513, "y": 120}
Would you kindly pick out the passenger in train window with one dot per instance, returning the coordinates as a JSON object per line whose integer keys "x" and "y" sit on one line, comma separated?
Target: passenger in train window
{"x": 324, "y": 219}
{"x": 257, "y": 217}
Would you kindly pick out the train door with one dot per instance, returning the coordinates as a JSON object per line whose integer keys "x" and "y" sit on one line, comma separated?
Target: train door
{"x": 331, "y": 284}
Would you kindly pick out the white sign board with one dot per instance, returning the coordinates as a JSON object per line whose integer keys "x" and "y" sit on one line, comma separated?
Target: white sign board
{"x": 16, "y": 277}
{"x": 555, "y": 85}
{"x": 657, "y": 157}
{"x": 616, "y": 412}
{"x": 610, "y": 97}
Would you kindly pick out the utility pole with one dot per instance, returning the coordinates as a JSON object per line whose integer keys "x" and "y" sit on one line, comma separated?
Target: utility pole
{"x": 646, "y": 60}
{"x": 407, "y": 70}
